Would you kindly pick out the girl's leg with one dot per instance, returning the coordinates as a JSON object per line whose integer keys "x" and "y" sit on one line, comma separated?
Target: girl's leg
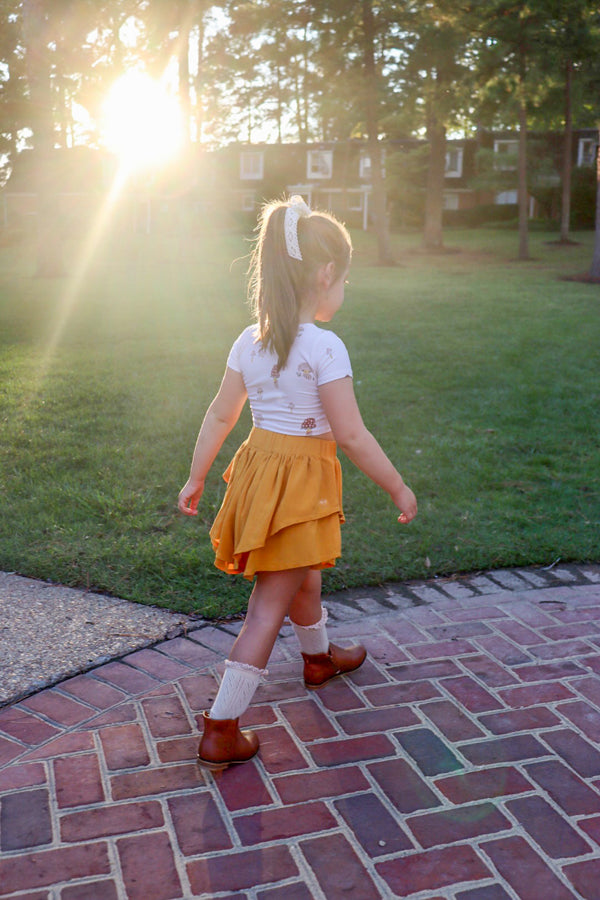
{"x": 267, "y": 608}
{"x": 308, "y": 617}
{"x": 222, "y": 742}
{"x": 322, "y": 660}
{"x": 305, "y": 608}
{"x": 273, "y": 594}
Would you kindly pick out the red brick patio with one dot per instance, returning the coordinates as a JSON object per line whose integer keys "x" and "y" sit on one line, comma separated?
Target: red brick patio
{"x": 462, "y": 761}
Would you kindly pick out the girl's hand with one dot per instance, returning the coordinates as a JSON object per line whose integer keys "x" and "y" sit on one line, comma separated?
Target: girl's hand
{"x": 406, "y": 501}
{"x": 189, "y": 497}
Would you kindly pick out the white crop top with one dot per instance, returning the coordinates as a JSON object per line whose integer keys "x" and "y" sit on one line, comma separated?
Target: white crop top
{"x": 287, "y": 401}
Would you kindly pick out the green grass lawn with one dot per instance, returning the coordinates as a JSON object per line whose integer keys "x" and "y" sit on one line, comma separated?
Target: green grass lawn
{"x": 479, "y": 375}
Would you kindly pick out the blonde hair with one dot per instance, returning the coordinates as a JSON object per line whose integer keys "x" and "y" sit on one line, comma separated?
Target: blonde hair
{"x": 278, "y": 283}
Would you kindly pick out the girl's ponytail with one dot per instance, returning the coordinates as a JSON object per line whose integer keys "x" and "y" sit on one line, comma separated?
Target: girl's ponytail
{"x": 279, "y": 281}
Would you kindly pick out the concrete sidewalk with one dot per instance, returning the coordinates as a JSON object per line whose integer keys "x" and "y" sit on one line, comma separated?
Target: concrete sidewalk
{"x": 49, "y": 632}
{"x": 460, "y": 762}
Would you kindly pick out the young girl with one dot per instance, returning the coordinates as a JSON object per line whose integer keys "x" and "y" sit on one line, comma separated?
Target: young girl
{"x": 280, "y": 518}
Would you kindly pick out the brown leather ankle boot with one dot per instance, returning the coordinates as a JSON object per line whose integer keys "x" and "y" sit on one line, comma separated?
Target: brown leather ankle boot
{"x": 223, "y": 744}
{"x": 319, "y": 668}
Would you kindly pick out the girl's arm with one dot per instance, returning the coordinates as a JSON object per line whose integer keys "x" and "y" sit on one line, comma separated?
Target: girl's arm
{"x": 220, "y": 418}
{"x": 359, "y": 445}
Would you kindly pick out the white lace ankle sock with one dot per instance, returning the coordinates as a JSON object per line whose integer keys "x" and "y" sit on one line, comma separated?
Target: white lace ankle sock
{"x": 236, "y": 690}
{"x": 313, "y": 638}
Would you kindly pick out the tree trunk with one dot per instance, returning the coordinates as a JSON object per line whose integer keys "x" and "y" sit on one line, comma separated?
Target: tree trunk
{"x": 200, "y": 83}
{"x": 386, "y": 257}
{"x": 183, "y": 62}
{"x": 279, "y": 113}
{"x": 50, "y": 262}
{"x": 565, "y": 212}
{"x": 302, "y": 134}
{"x": 434, "y": 196}
{"x": 595, "y": 267}
{"x": 305, "y": 87}
{"x": 523, "y": 198}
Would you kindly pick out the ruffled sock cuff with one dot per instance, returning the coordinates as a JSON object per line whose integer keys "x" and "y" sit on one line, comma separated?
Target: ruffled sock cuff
{"x": 313, "y": 638}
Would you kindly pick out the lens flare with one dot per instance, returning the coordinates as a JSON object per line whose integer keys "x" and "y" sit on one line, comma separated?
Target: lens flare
{"x": 142, "y": 122}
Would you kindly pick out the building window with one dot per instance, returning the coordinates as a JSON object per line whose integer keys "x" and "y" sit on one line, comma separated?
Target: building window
{"x": 451, "y": 200}
{"x": 364, "y": 166}
{"x": 355, "y": 201}
{"x": 251, "y": 166}
{"x": 506, "y": 154}
{"x": 454, "y": 162}
{"x": 365, "y": 169}
{"x": 586, "y": 151}
{"x": 506, "y": 198}
{"x": 248, "y": 203}
{"x": 319, "y": 164}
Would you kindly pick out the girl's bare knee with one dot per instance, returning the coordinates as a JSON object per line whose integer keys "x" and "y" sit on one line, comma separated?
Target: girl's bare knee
{"x": 305, "y": 608}
{"x": 312, "y": 582}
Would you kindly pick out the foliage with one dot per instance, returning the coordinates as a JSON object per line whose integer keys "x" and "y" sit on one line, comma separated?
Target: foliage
{"x": 298, "y": 67}
{"x": 103, "y": 386}
{"x": 406, "y": 172}
{"x": 308, "y": 71}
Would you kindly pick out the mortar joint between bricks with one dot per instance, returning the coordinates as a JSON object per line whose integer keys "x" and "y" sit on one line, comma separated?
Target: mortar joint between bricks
{"x": 150, "y": 741}
{"x": 541, "y": 792}
{"x": 115, "y": 861}
{"x": 179, "y": 859}
{"x": 305, "y": 869}
{"x": 102, "y": 767}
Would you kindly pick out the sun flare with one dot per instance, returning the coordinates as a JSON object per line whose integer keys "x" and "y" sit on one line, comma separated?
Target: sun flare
{"x": 143, "y": 124}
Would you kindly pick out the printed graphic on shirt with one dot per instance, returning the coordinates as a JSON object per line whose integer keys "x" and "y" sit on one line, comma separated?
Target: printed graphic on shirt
{"x": 305, "y": 371}
{"x": 287, "y": 400}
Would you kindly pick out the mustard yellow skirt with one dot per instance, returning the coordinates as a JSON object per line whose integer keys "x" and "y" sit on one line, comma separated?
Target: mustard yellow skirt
{"x": 282, "y": 507}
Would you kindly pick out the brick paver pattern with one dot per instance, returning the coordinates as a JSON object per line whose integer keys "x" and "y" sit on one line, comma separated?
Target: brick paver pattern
{"x": 462, "y": 761}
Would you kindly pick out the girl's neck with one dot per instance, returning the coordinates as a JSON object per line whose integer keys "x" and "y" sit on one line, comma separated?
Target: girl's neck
{"x": 308, "y": 309}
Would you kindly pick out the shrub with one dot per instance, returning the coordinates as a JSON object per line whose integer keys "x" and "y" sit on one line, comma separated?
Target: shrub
{"x": 483, "y": 214}
{"x": 583, "y": 197}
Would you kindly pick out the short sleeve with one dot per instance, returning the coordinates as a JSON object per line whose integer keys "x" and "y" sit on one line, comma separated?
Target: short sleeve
{"x": 234, "y": 360}
{"x": 334, "y": 361}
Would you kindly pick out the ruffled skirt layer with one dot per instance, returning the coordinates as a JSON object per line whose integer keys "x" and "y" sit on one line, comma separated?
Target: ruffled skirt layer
{"x": 282, "y": 507}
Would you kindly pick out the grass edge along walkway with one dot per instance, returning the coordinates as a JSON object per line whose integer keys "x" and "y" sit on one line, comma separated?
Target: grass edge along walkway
{"x": 478, "y": 375}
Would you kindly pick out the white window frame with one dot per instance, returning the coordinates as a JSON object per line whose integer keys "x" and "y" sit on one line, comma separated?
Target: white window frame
{"x": 364, "y": 166}
{"x": 319, "y": 164}
{"x": 456, "y": 170}
{"x": 451, "y": 200}
{"x": 248, "y": 201}
{"x": 584, "y": 156}
{"x": 511, "y": 146}
{"x": 356, "y": 200}
{"x": 252, "y": 165}
{"x": 506, "y": 197}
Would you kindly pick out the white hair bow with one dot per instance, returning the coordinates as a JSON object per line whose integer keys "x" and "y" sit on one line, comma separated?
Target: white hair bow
{"x": 296, "y": 210}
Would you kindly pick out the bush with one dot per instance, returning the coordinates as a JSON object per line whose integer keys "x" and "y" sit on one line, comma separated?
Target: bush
{"x": 583, "y": 197}
{"x": 484, "y": 214}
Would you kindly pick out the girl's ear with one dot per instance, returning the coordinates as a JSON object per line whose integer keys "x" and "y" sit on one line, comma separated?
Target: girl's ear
{"x": 326, "y": 275}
